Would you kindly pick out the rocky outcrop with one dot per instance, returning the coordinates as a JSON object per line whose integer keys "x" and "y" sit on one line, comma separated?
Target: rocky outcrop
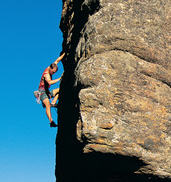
{"x": 115, "y": 98}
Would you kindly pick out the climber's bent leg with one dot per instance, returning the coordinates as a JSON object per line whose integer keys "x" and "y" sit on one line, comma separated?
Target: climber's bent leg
{"x": 55, "y": 99}
{"x": 55, "y": 93}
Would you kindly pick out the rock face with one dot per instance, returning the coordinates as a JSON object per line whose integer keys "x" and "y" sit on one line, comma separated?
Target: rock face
{"x": 115, "y": 100}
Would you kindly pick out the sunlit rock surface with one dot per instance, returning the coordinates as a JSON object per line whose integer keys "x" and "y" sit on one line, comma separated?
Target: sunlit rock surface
{"x": 115, "y": 100}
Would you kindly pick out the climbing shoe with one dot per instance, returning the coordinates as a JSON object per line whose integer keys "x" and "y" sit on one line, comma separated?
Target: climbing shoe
{"x": 53, "y": 124}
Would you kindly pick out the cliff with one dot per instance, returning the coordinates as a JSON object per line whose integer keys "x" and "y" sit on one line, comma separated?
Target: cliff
{"x": 115, "y": 96}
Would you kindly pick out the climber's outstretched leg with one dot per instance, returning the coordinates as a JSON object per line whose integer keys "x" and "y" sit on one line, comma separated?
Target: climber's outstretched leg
{"x": 48, "y": 112}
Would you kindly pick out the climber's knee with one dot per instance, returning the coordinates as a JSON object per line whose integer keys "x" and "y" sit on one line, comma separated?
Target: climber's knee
{"x": 55, "y": 92}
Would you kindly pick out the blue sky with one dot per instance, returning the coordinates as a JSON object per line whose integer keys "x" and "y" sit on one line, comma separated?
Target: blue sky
{"x": 30, "y": 41}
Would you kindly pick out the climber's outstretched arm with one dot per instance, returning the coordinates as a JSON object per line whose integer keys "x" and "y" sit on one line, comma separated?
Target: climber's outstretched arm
{"x": 59, "y": 58}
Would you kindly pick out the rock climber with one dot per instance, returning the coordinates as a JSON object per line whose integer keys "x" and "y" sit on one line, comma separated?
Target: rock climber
{"x": 44, "y": 94}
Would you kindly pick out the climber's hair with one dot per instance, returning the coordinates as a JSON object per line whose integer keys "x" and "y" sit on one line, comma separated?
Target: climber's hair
{"x": 53, "y": 65}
